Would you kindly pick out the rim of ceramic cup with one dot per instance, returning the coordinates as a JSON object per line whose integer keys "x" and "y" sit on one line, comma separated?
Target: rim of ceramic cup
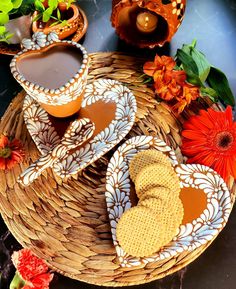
{"x": 31, "y": 86}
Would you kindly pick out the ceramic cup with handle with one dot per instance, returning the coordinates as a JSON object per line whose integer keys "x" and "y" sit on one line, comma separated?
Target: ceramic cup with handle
{"x": 53, "y": 72}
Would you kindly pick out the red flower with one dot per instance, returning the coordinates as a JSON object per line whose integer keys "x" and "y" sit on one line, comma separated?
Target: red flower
{"x": 11, "y": 153}
{"x": 210, "y": 139}
{"x": 32, "y": 269}
{"x": 39, "y": 282}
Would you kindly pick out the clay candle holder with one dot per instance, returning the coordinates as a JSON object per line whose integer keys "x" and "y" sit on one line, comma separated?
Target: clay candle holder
{"x": 147, "y": 23}
{"x": 53, "y": 72}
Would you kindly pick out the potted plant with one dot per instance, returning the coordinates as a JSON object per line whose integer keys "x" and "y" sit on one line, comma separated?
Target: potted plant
{"x": 15, "y": 20}
{"x": 60, "y": 16}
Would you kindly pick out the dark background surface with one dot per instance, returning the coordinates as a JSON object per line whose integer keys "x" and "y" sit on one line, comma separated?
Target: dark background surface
{"x": 213, "y": 24}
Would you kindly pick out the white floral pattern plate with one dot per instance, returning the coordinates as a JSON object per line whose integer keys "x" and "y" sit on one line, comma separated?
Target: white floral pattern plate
{"x": 46, "y": 136}
{"x": 190, "y": 235}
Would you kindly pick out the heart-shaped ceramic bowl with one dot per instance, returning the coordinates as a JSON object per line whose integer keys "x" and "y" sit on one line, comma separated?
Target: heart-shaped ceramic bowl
{"x": 110, "y": 105}
{"x": 204, "y": 195}
{"x": 52, "y": 72}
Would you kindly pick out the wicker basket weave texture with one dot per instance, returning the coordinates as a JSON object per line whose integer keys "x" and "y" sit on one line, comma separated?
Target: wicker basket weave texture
{"x": 66, "y": 222}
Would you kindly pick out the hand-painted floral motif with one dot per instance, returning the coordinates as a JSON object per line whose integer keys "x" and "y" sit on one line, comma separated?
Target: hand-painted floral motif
{"x": 46, "y": 137}
{"x": 191, "y": 235}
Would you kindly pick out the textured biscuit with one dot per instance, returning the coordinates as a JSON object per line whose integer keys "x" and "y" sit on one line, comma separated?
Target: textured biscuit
{"x": 156, "y": 175}
{"x": 144, "y": 158}
{"x": 157, "y": 192}
{"x": 169, "y": 213}
{"x": 139, "y": 232}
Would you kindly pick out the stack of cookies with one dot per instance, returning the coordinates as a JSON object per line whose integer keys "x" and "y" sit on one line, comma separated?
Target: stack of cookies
{"x": 144, "y": 229}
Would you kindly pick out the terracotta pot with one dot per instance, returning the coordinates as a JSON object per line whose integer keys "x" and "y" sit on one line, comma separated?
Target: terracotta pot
{"x": 65, "y": 100}
{"x": 169, "y": 16}
{"x": 20, "y": 27}
{"x": 63, "y": 32}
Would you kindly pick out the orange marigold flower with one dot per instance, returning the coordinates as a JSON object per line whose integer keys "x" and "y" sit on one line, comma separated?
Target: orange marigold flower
{"x": 11, "y": 152}
{"x": 170, "y": 85}
{"x": 160, "y": 63}
{"x": 210, "y": 139}
{"x": 190, "y": 92}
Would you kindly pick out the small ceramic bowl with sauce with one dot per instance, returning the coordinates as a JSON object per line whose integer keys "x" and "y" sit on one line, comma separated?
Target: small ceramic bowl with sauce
{"x": 53, "y": 72}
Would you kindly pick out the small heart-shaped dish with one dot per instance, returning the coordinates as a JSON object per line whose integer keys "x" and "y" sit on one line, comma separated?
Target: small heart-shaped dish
{"x": 204, "y": 195}
{"x": 110, "y": 105}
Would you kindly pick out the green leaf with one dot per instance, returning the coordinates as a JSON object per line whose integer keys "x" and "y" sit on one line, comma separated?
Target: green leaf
{"x": 9, "y": 35}
{"x": 47, "y": 14}
{"x": 37, "y": 17}
{"x": 16, "y": 3}
{"x": 54, "y": 23}
{"x": 190, "y": 67}
{"x": 64, "y": 23}
{"x": 210, "y": 92}
{"x": 4, "y": 18}
{"x": 219, "y": 82}
{"x": 53, "y": 4}
{"x": 39, "y": 6}
{"x": 26, "y": 7}
{"x": 6, "y": 6}
{"x": 187, "y": 60}
{"x": 2, "y": 29}
{"x": 58, "y": 14}
{"x": 202, "y": 64}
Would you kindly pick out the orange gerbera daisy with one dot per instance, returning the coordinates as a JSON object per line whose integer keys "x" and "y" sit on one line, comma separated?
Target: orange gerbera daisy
{"x": 210, "y": 139}
{"x": 11, "y": 152}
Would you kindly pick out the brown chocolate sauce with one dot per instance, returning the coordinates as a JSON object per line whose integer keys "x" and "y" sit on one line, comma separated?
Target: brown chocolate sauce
{"x": 51, "y": 68}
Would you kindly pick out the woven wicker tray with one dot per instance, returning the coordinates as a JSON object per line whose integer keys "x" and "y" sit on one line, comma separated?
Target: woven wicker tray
{"x": 66, "y": 223}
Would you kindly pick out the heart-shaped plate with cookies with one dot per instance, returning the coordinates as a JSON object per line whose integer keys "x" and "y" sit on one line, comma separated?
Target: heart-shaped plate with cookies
{"x": 159, "y": 208}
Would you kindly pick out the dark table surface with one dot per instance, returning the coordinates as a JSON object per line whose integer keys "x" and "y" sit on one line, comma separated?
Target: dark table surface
{"x": 213, "y": 24}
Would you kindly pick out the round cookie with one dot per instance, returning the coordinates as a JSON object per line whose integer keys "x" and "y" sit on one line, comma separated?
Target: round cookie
{"x": 169, "y": 213}
{"x": 156, "y": 175}
{"x": 157, "y": 192}
{"x": 171, "y": 218}
{"x": 144, "y": 158}
{"x": 139, "y": 232}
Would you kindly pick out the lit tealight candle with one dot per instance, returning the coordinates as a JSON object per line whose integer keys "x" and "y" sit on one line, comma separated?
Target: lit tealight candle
{"x": 146, "y": 22}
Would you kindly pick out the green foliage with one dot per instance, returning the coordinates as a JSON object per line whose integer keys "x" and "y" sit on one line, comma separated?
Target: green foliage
{"x": 4, "y": 18}
{"x": 11, "y": 9}
{"x": 212, "y": 82}
{"x": 45, "y": 13}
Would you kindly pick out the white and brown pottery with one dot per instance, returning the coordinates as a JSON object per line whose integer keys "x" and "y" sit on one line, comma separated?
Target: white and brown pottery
{"x": 63, "y": 31}
{"x": 62, "y": 100}
{"x": 169, "y": 14}
{"x": 110, "y": 105}
{"x": 78, "y": 132}
{"x": 204, "y": 194}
